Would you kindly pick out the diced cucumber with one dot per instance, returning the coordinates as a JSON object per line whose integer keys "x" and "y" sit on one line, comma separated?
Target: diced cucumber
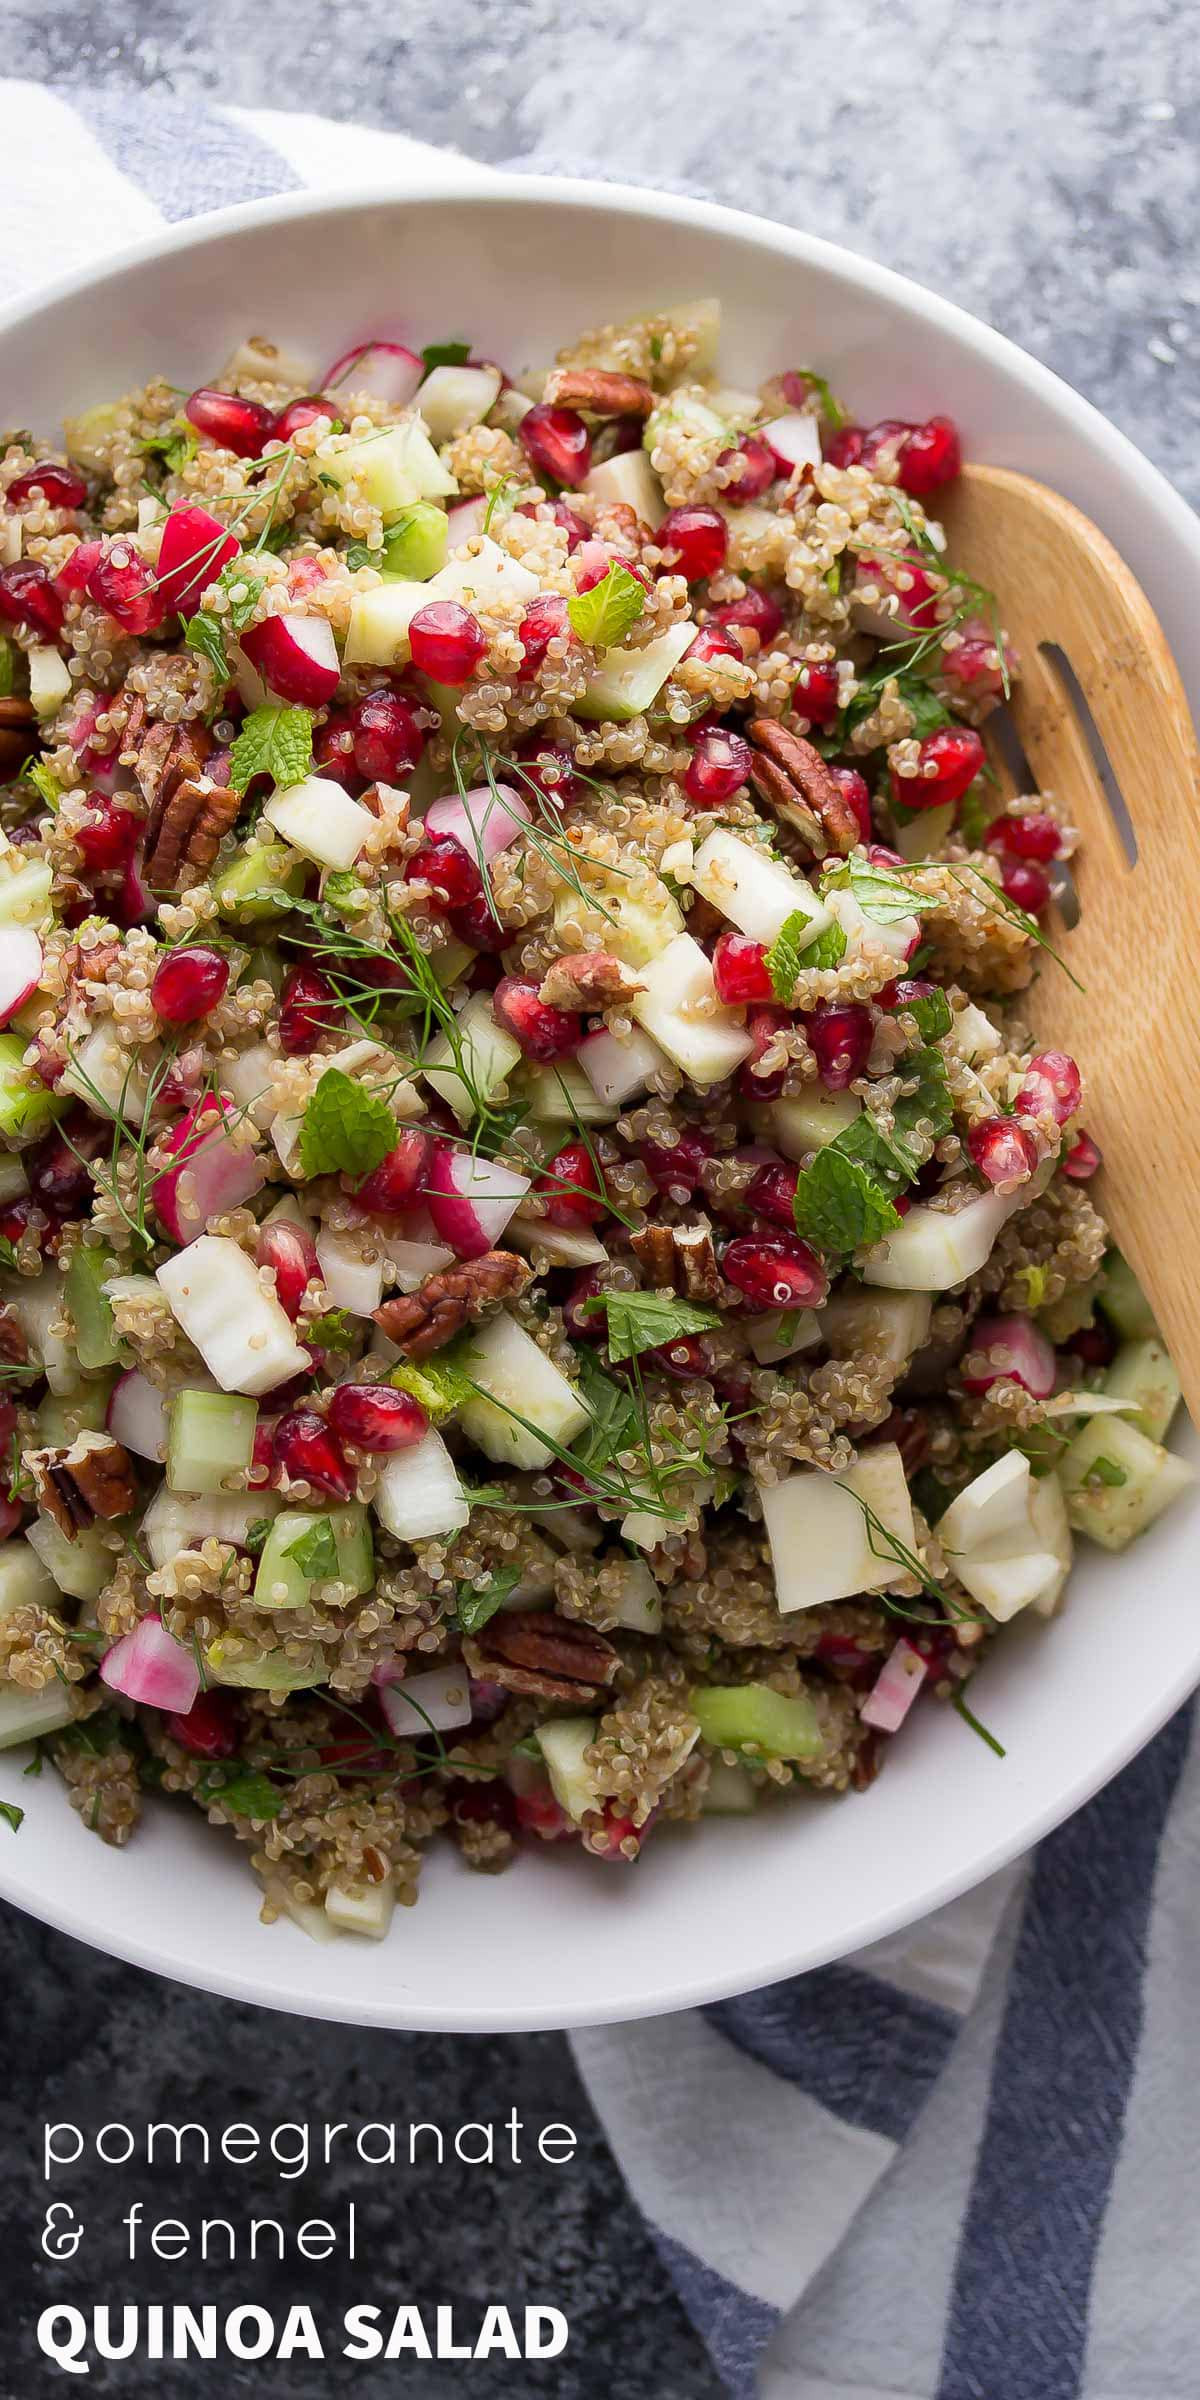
{"x": 25, "y": 896}
{"x": 269, "y": 1671}
{"x": 562, "y": 1094}
{"x": 25, "y": 1579}
{"x": 14, "y": 1182}
{"x": 891, "y": 1325}
{"x": 49, "y": 678}
{"x": 629, "y": 477}
{"x": 635, "y": 929}
{"x": 37, "y": 1303}
{"x": 1124, "y": 1302}
{"x": 355, "y": 1546}
{"x": 414, "y": 548}
{"x": 61, "y": 1415}
{"x": 1117, "y": 1480}
{"x": 1144, "y": 1373}
{"x": 639, "y": 1602}
{"x": 211, "y": 1439}
{"x": 783, "y": 1333}
{"x": 757, "y": 893}
{"x": 521, "y": 1396}
{"x": 626, "y": 682}
{"x": 90, "y": 1308}
{"x": 729, "y": 1792}
{"x": 679, "y": 1008}
{"x": 80, "y": 1567}
{"x": 27, "y": 1106}
{"x": 26, "y": 1716}
{"x": 259, "y": 882}
{"x": 377, "y": 632}
{"x": 178, "y": 1521}
{"x": 471, "y": 1069}
{"x": 452, "y": 399}
{"x": 394, "y": 468}
{"x": 800, "y": 1126}
{"x": 563, "y": 1745}
{"x": 919, "y": 833}
{"x": 754, "y": 1717}
{"x": 361, "y": 1908}
{"x": 90, "y": 435}
{"x": 283, "y": 1582}
{"x": 321, "y": 821}
{"x": 419, "y": 1494}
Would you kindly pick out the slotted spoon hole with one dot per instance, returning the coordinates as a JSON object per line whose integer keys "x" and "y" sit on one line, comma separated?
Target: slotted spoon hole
{"x": 1009, "y": 751}
{"x": 1106, "y": 775}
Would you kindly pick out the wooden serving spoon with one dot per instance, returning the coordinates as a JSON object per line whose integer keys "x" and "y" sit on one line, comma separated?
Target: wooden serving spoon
{"x": 1123, "y": 919}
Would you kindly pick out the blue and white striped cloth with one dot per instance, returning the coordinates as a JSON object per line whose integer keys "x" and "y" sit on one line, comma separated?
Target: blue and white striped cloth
{"x": 963, "y": 2165}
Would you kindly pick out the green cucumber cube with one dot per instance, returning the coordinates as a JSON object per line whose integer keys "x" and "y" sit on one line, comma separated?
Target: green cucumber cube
{"x": 415, "y": 547}
{"x": 1144, "y": 1373}
{"x": 25, "y": 896}
{"x": 1125, "y": 1303}
{"x": 286, "y": 1581}
{"x": 754, "y": 1717}
{"x": 27, "y": 1107}
{"x": 90, "y": 1308}
{"x": 27, "y": 1716}
{"x": 259, "y": 883}
{"x": 1117, "y": 1481}
{"x": 61, "y": 1415}
{"x": 267, "y": 1671}
{"x": 564, "y": 1745}
{"x": 211, "y": 1439}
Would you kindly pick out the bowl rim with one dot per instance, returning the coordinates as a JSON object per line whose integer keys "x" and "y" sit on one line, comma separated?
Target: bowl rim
{"x": 473, "y": 183}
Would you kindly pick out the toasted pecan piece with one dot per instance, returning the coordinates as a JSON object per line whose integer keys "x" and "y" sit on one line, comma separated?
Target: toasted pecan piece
{"x": 185, "y": 829}
{"x": 590, "y": 979}
{"x": 537, "y": 1651}
{"x": 599, "y": 392}
{"x": 423, "y": 1321}
{"x": 794, "y": 780}
{"x": 18, "y": 736}
{"x": 679, "y": 1258}
{"x": 79, "y": 1481}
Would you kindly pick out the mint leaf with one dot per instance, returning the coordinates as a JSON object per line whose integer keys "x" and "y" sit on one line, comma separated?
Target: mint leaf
{"x": 839, "y": 1207}
{"x": 445, "y": 354}
{"x": 45, "y": 783}
{"x": 604, "y": 615}
{"x": 438, "y": 1385}
{"x": 248, "y": 1794}
{"x": 8, "y": 1256}
{"x": 342, "y": 892}
{"x": 475, "y": 1605}
{"x": 928, "y": 713}
{"x": 315, "y": 1551}
{"x": 345, "y": 1130}
{"x": 12, "y": 1815}
{"x": 360, "y": 554}
{"x": 895, "y": 1156}
{"x": 882, "y": 896}
{"x": 176, "y": 447}
{"x": 614, "y": 1424}
{"x": 204, "y": 634}
{"x": 274, "y": 741}
{"x": 256, "y": 1535}
{"x": 640, "y": 1321}
{"x": 933, "y": 1013}
{"x": 790, "y": 954}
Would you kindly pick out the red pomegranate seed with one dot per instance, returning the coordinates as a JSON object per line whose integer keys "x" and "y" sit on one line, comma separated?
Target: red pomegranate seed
{"x": 27, "y": 597}
{"x": 291, "y": 1253}
{"x": 694, "y": 540}
{"x": 57, "y": 1166}
{"x": 556, "y": 441}
{"x": 572, "y": 525}
{"x": 481, "y": 1803}
{"x": 551, "y": 766}
{"x": 976, "y": 660}
{"x": 210, "y": 1728}
{"x": 755, "y": 613}
{"x": 188, "y": 984}
{"x": 594, "y": 560}
{"x": 855, "y": 791}
{"x": 573, "y": 1187}
{"x": 904, "y": 991}
{"x": 772, "y": 1193}
{"x": 544, "y": 621}
{"x": 8, "y": 1419}
{"x": 815, "y": 693}
{"x": 477, "y": 926}
{"x": 121, "y": 582}
{"x": 309, "y": 1452}
{"x": 1082, "y": 1159}
{"x": 388, "y": 741}
{"x": 446, "y": 642}
{"x": 677, "y": 1167}
{"x": 757, "y": 470}
{"x": 947, "y": 761}
{"x": 764, "y": 1025}
{"x": 374, "y": 1417}
{"x": 72, "y": 576}
{"x": 1093, "y": 1345}
{"x": 901, "y": 576}
{"x": 542, "y": 1031}
{"x": 774, "y": 1271}
{"x": 243, "y": 426}
{"x": 333, "y": 751}
{"x": 844, "y": 447}
{"x": 718, "y": 767}
{"x": 927, "y": 455}
{"x": 1027, "y": 886}
{"x": 1004, "y": 1152}
{"x": 308, "y": 1008}
{"x": 1037, "y": 836}
{"x": 296, "y": 415}
{"x": 713, "y": 642}
{"x": 396, "y": 1183}
{"x": 61, "y": 487}
{"x": 684, "y": 1358}
{"x": 740, "y": 970}
{"x": 447, "y": 868}
{"x": 108, "y": 836}
{"x": 840, "y": 1040}
{"x": 582, "y": 1323}
{"x": 1054, "y": 1082}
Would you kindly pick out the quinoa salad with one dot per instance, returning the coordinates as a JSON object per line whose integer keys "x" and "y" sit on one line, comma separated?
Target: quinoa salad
{"x": 546, "y": 1289}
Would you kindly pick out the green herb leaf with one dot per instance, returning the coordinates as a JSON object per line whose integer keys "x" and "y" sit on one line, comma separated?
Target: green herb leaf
{"x": 247, "y": 1794}
{"x": 345, "y": 1130}
{"x": 342, "y": 892}
{"x": 336, "y": 1330}
{"x": 44, "y": 781}
{"x": 497, "y": 498}
{"x": 360, "y": 554}
{"x": 883, "y": 897}
{"x": 640, "y": 1321}
{"x": 929, "y": 713}
{"x": 614, "y": 1421}
{"x": 203, "y": 634}
{"x": 894, "y": 1157}
{"x": 959, "y": 1705}
{"x": 476, "y": 1603}
{"x": 445, "y": 354}
{"x": 176, "y": 447}
{"x": 8, "y": 1256}
{"x": 274, "y": 741}
{"x": 256, "y": 1535}
{"x": 6, "y": 667}
{"x": 315, "y": 1551}
{"x": 790, "y": 955}
{"x": 604, "y": 615}
{"x": 12, "y": 1815}
{"x": 933, "y": 1013}
{"x": 831, "y": 407}
{"x": 438, "y": 1385}
{"x": 839, "y": 1206}
{"x": 1107, "y": 1471}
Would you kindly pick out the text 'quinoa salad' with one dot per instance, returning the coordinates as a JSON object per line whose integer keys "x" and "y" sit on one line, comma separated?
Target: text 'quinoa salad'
{"x": 544, "y": 1285}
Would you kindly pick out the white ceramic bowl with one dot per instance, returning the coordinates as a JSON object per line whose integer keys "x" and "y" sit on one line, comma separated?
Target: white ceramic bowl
{"x": 517, "y": 268}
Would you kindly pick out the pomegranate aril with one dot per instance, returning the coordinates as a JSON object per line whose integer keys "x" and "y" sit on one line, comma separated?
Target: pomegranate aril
{"x": 1054, "y": 1082}
{"x": 1008, "y": 1349}
{"x": 387, "y": 739}
{"x": 772, "y": 1194}
{"x": 543, "y": 622}
{"x": 977, "y": 660}
{"x": 772, "y": 1271}
{"x": 477, "y": 925}
{"x": 446, "y": 642}
{"x": 108, "y": 836}
{"x": 542, "y": 1031}
{"x": 899, "y": 576}
{"x": 927, "y": 455}
{"x": 594, "y": 560}
{"x": 291, "y": 1254}
{"x": 844, "y": 447}
{"x": 373, "y": 1417}
{"x": 815, "y": 692}
{"x": 718, "y": 767}
{"x": 572, "y": 525}
{"x": 309, "y": 1452}
{"x": 572, "y": 1188}
{"x": 448, "y": 869}
{"x": 210, "y": 1728}
{"x": 840, "y": 1039}
{"x": 28, "y": 597}
{"x": 1093, "y": 1345}
{"x": 1027, "y": 886}
{"x": 73, "y": 574}
{"x": 243, "y": 426}
{"x": 947, "y": 762}
{"x": 551, "y": 766}
{"x": 1003, "y": 1152}
{"x": 905, "y": 991}
{"x": 333, "y": 751}
{"x": 677, "y": 1167}
{"x": 59, "y": 486}
{"x": 582, "y": 1323}
{"x": 713, "y": 642}
{"x": 855, "y": 792}
{"x": 764, "y": 1026}
{"x": 1037, "y": 836}
{"x": 740, "y": 971}
{"x": 756, "y": 469}
{"x": 188, "y": 984}
{"x": 556, "y": 441}
{"x": 308, "y": 1009}
{"x": 1082, "y": 1159}
{"x": 121, "y": 582}
{"x": 694, "y": 541}
{"x": 397, "y": 1182}
{"x": 684, "y": 1358}
{"x": 755, "y": 613}
{"x": 296, "y": 415}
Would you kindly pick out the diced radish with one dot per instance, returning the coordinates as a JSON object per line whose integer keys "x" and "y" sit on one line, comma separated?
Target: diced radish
{"x": 214, "y": 1172}
{"x": 1012, "y": 1347}
{"x": 895, "y": 1688}
{"x": 795, "y": 440}
{"x": 150, "y": 1666}
{"x": 20, "y": 967}
{"x": 137, "y": 1416}
{"x": 139, "y": 905}
{"x": 353, "y": 1273}
{"x": 482, "y": 822}
{"x": 243, "y": 1335}
{"x": 387, "y": 370}
{"x": 471, "y": 1199}
{"x": 465, "y": 519}
{"x": 616, "y": 1069}
{"x": 318, "y": 818}
{"x": 418, "y": 1493}
{"x": 441, "y": 1699}
{"x": 453, "y": 398}
{"x": 193, "y": 549}
{"x": 296, "y": 657}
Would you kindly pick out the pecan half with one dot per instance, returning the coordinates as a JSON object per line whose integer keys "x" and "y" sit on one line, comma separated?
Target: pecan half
{"x": 653, "y": 1246}
{"x": 185, "y": 829}
{"x": 680, "y": 1258}
{"x": 17, "y": 735}
{"x": 534, "y": 1650}
{"x": 599, "y": 392}
{"x": 591, "y": 979}
{"x": 794, "y": 780}
{"x": 14, "y": 1344}
{"x": 88, "y": 1478}
{"x": 423, "y": 1321}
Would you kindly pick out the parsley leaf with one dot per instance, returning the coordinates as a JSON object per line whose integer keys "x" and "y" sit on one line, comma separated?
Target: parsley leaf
{"x": 640, "y": 1321}
{"x": 274, "y": 741}
{"x": 248, "y": 1794}
{"x": 604, "y": 615}
{"x": 445, "y": 354}
{"x": 315, "y": 1551}
{"x": 790, "y": 954}
{"x": 45, "y": 783}
{"x": 475, "y": 1604}
{"x": 839, "y": 1206}
{"x": 176, "y": 447}
{"x": 933, "y": 1013}
{"x": 12, "y": 1815}
{"x": 256, "y": 1535}
{"x": 203, "y": 634}
{"x": 345, "y": 1130}
{"x": 437, "y": 1384}
{"x": 360, "y": 554}
{"x": 614, "y": 1410}
{"x": 336, "y": 1330}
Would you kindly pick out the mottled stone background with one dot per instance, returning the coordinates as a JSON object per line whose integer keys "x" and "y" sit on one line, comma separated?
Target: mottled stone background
{"x": 1036, "y": 163}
